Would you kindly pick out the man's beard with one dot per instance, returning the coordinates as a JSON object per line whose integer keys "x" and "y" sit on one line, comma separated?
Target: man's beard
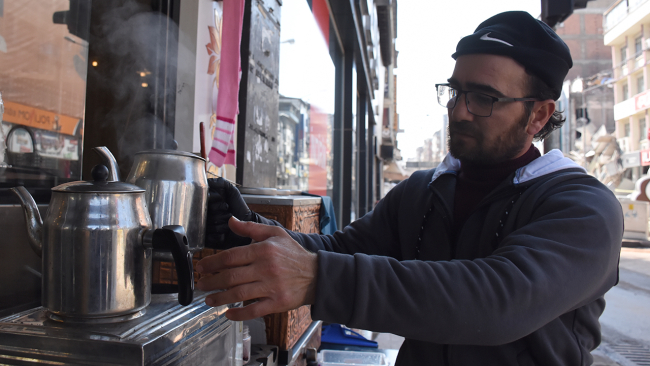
{"x": 504, "y": 147}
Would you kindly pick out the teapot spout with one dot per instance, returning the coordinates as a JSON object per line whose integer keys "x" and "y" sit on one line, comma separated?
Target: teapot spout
{"x": 32, "y": 219}
{"x": 109, "y": 160}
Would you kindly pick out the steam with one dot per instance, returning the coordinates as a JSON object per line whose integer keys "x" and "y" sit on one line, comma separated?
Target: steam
{"x": 136, "y": 44}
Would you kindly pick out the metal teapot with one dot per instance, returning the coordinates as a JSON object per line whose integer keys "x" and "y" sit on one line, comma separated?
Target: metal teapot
{"x": 176, "y": 190}
{"x": 96, "y": 244}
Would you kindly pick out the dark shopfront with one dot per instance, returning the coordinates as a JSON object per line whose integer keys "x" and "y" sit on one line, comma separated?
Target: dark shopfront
{"x": 130, "y": 55}
{"x": 351, "y": 168}
{"x": 134, "y": 75}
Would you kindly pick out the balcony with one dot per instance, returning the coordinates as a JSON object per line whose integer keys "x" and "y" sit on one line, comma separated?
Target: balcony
{"x": 619, "y": 11}
{"x": 615, "y": 14}
{"x": 622, "y": 18}
{"x": 644, "y": 144}
{"x": 639, "y": 61}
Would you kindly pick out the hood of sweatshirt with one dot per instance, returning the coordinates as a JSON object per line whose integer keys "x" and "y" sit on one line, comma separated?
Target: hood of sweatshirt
{"x": 548, "y": 163}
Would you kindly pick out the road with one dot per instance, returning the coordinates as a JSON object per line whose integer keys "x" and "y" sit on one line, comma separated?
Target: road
{"x": 626, "y": 320}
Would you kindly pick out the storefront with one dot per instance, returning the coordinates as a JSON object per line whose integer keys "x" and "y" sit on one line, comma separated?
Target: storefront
{"x": 137, "y": 75}
{"x": 315, "y": 102}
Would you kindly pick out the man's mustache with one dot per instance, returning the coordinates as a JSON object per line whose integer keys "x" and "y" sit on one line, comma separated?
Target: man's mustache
{"x": 464, "y": 127}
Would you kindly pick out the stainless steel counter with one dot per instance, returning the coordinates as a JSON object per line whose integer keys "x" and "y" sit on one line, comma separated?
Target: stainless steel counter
{"x": 167, "y": 334}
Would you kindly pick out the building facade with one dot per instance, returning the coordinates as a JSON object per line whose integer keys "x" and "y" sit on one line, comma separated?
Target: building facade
{"x": 627, "y": 32}
{"x": 588, "y": 98}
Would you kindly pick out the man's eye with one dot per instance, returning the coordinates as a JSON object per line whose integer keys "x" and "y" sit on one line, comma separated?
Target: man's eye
{"x": 481, "y": 99}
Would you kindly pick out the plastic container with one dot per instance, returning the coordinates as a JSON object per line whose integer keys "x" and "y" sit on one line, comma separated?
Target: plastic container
{"x": 246, "y": 340}
{"x": 344, "y": 358}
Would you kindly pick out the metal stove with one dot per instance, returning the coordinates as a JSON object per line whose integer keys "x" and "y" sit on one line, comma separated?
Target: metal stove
{"x": 167, "y": 334}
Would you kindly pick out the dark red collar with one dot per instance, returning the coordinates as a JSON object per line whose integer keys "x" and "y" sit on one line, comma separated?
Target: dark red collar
{"x": 497, "y": 172}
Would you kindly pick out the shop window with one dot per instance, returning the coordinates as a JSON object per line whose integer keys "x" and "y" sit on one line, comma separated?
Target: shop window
{"x": 306, "y": 104}
{"x": 44, "y": 62}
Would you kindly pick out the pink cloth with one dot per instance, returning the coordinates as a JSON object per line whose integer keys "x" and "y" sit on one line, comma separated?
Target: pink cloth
{"x": 223, "y": 147}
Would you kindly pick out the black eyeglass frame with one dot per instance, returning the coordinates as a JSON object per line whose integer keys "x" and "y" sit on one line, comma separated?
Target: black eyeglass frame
{"x": 494, "y": 99}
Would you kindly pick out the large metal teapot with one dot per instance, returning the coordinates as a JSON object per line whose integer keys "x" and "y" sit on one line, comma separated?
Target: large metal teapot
{"x": 176, "y": 190}
{"x": 96, "y": 244}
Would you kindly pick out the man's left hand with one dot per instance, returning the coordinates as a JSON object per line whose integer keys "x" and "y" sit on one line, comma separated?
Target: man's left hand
{"x": 274, "y": 270}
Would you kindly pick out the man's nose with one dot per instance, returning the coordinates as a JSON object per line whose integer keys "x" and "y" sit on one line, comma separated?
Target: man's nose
{"x": 460, "y": 112}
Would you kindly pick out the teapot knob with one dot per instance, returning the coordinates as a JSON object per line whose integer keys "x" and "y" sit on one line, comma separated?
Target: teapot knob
{"x": 99, "y": 173}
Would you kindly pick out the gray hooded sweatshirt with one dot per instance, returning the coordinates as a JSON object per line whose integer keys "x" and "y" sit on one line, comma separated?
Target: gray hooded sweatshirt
{"x": 522, "y": 283}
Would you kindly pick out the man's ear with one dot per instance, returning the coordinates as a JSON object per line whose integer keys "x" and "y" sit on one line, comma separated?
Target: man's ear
{"x": 541, "y": 113}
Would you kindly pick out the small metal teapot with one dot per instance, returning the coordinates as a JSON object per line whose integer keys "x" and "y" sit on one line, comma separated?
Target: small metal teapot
{"x": 176, "y": 190}
{"x": 96, "y": 244}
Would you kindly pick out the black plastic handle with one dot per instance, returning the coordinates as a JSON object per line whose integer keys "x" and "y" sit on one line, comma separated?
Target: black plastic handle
{"x": 172, "y": 238}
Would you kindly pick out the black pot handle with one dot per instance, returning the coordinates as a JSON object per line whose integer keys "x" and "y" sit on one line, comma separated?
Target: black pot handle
{"x": 172, "y": 238}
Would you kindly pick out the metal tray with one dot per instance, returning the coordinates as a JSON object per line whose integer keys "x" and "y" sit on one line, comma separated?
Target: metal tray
{"x": 258, "y": 191}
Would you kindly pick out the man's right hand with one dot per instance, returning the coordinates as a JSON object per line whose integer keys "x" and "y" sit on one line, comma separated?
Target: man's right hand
{"x": 275, "y": 271}
{"x": 224, "y": 202}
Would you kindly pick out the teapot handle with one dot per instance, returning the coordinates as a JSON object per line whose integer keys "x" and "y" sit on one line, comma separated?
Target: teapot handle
{"x": 172, "y": 238}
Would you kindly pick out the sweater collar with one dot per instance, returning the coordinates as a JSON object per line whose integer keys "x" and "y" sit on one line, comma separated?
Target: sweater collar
{"x": 497, "y": 172}
{"x": 548, "y": 163}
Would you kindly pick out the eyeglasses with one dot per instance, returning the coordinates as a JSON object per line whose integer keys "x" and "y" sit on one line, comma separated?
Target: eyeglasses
{"x": 478, "y": 104}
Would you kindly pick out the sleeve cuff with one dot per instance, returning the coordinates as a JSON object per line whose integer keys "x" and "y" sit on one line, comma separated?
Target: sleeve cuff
{"x": 335, "y": 288}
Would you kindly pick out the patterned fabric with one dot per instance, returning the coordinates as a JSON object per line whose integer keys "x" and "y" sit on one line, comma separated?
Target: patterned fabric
{"x": 223, "y": 148}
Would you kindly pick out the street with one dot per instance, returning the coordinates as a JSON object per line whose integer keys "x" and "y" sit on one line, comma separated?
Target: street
{"x": 626, "y": 320}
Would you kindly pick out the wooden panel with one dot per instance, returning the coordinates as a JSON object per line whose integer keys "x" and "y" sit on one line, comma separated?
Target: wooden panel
{"x": 284, "y": 329}
{"x": 165, "y": 272}
{"x": 306, "y": 219}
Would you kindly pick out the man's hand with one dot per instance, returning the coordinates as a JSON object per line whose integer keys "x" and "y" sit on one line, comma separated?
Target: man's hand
{"x": 225, "y": 201}
{"x": 275, "y": 270}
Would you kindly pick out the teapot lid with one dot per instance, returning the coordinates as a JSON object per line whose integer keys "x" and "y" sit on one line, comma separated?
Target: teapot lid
{"x": 170, "y": 152}
{"x": 98, "y": 185}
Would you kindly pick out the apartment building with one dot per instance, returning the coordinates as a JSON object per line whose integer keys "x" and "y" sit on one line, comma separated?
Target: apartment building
{"x": 627, "y": 31}
{"x": 589, "y": 97}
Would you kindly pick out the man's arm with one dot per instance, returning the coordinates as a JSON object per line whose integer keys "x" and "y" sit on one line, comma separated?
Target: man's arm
{"x": 564, "y": 258}
{"x": 375, "y": 233}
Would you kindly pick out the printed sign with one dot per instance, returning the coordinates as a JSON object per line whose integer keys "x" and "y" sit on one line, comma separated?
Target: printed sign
{"x": 645, "y": 157}
{"x": 21, "y": 114}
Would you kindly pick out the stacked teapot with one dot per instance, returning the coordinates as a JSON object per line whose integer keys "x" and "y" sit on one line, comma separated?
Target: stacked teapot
{"x": 96, "y": 244}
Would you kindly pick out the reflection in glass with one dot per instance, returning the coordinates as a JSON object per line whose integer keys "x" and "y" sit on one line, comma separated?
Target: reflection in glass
{"x": 43, "y": 79}
{"x": 306, "y": 109}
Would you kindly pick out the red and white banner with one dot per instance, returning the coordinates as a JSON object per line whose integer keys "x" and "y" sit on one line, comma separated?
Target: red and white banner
{"x": 645, "y": 157}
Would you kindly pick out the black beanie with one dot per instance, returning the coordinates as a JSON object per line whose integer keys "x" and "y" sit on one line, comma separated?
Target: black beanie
{"x": 529, "y": 41}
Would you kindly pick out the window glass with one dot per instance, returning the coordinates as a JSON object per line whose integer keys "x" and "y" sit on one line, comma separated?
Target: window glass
{"x": 626, "y": 93}
{"x": 640, "y": 84}
{"x": 43, "y": 53}
{"x": 627, "y": 130}
{"x": 623, "y": 54}
{"x": 643, "y": 125}
{"x": 638, "y": 48}
{"x": 306, "y": 110}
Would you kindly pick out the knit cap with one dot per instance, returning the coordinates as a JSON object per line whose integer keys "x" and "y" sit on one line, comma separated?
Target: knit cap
{"x": 529, "y": 41}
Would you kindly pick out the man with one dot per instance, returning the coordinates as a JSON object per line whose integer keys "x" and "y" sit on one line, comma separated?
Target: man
{"x": 499, "y": 256}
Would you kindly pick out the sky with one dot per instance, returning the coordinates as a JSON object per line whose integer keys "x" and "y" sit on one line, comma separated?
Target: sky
{"x": 427, "y": 34}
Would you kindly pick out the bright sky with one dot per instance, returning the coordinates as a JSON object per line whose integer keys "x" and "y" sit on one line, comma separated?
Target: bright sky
{"x": 427, "y": 34}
